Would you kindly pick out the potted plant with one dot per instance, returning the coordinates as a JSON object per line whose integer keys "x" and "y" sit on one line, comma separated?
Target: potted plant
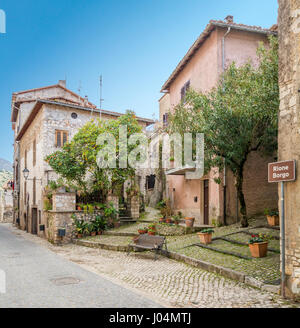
{"x": 189, "y": 222}
{"x": 205, "y": 236}
{"x": 152, "y": 226}
{"x": 79, "y": 207}
{"x": 111, "y": 215}
{"x": 176, "y": 219}
{"x": 272, "y": 217}
{"x": 162, "y": 220}
{"x": 258, "y": 245}
{"x": 80, "y": 226}
{"x": 169, "y": 221}
{"x": 143, "y": 231}
{"x": 99, "y": 224}
{"x": 152, "y": 232}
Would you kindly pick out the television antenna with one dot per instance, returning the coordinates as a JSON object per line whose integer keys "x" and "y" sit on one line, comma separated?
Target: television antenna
{"x": 101, "y": 99}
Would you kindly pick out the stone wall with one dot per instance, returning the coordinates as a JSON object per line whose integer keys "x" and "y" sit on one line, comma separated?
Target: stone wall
{"x": 289, "y": 131}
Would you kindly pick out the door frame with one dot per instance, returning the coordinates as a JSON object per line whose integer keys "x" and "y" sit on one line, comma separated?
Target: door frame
{"x": 206, "y": 202}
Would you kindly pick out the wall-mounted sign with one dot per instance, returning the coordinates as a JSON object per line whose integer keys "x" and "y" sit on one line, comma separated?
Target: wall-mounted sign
{"x": 282, "y": 171}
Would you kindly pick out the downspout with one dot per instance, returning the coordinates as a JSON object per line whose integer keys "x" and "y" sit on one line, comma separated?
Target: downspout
{"x": 224, "y": 178}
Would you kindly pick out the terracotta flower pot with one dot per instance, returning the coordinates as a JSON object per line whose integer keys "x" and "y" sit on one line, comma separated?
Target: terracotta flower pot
{"x": 205, "y": 238}
{"x": 151, "y": 233}
{"x": 189, "y": 222}
{"x": 169, "y": 220}
{"x": 273, "y": 220}
{"x": 259, "y": 249}
{"x": 99, "y": 233}
{"x": 161, "y": 220}
{"x": 117, "y": 224}
{"x": 79, "y": 208}
{"x": 142, "y": 232}
{"x": 79, "y": 236}
{"x": 93, "y": 234}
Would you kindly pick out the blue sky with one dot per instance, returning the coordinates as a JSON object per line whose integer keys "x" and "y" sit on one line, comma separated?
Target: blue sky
{"x": 134, "y": 44}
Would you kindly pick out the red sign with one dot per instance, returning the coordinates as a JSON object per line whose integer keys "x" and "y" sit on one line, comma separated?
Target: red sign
{"x": 282, "y": 171}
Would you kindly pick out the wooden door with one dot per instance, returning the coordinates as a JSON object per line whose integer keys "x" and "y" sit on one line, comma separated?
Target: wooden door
{"x": 206, "y": 202}
{"x": 34, "y": 221}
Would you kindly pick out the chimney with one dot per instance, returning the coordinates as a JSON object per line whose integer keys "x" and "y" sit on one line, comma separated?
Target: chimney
{"x": 229, "y": 19}
{"x": 63, "y": 83}
{"x": 86, "y": 100}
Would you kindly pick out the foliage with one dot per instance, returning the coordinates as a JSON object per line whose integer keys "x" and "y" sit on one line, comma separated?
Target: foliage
{"x": 161, "y": 204}
{"x": 237, "y": 117}
{"x": 271, "y": 212}
{"x": 80, "y": 224}
{"x": 99, "y": 223}
{"x": 47, "y": 205}
{"x": 210, "y": 231}
{"x": 77, "y": 161}
{"x": 260, "y": 238}
{"x": 110, "y": 213}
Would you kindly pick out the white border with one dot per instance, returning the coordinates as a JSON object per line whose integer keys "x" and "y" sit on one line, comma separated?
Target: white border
{"x": 279, "y": 163}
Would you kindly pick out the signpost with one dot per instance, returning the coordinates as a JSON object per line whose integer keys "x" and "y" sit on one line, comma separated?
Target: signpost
{"x": 282, "y": 172}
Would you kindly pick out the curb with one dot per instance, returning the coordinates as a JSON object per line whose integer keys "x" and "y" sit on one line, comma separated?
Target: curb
{"x": 225, "y": 272}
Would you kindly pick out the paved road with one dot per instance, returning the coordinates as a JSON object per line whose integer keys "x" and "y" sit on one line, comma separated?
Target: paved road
{"x": 37, "y": 277}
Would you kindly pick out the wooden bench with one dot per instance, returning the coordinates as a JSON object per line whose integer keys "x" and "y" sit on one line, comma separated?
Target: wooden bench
{"x": 147, "y": 242}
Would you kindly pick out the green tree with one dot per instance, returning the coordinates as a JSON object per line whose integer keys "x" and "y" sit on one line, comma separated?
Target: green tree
{"x": 237, "y": 117}
{"x": 77, "y": 161}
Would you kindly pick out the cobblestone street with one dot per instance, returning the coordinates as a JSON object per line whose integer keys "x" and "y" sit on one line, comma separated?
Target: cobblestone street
{"x": 167, "y": 282}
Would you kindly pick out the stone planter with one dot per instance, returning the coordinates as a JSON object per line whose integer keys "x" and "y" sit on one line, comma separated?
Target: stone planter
{"x": 205, "y": 238}
{"x": 259, "y": 249}
{"x": 273, "y": 220}
{"x": 189, "y": 222}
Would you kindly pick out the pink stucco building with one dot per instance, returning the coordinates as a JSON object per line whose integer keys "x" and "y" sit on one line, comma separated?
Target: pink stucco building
{"x": 221, "y": 43}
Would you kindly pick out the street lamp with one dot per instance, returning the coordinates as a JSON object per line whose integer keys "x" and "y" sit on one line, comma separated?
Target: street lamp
{"x": 26, "y": 173}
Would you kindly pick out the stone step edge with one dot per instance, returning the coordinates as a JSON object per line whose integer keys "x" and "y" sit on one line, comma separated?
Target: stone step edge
{"x": 213, "y": 268}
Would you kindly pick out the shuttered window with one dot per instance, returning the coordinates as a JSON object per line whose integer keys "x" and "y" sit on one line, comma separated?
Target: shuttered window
{"x": 165, "y": 119}
{"x": 34, "y": 190}
{"x": 25, "y": 192}
{"x": 184, "y": 90}
{"x": 61, "y": 138}
{"x": 34, "y": 153}
{"x": 26, "y": 159}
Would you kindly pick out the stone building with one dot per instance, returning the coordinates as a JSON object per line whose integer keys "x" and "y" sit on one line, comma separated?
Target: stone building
{"x": 221, "y": 43}
{"x": 289, "y": 132}
{"x": 6, "y": 203}
{"x": 43, "y": 120}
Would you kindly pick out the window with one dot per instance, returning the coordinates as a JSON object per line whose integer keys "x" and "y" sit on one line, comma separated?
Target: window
{"x": 165, "y": 119}
{"x": 25, "y": 192}
{"x": 61, "y": 138}
{"x": 34, "y": 153}
{"x": 34, "y": 190}
{"x": 74, "y": 116}
{"x": 184, "y": 90}
{"x": 150, "y": 182}
{"x": 26, "y": 159}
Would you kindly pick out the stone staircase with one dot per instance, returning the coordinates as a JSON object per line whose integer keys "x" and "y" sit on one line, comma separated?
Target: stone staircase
{"x": 124, "y": 216}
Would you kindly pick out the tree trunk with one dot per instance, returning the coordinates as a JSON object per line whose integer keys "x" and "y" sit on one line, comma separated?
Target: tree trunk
{"x": 239, "y": 189}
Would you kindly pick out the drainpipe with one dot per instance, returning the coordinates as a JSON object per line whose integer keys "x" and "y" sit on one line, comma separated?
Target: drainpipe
{"x": 224, "y": 178}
